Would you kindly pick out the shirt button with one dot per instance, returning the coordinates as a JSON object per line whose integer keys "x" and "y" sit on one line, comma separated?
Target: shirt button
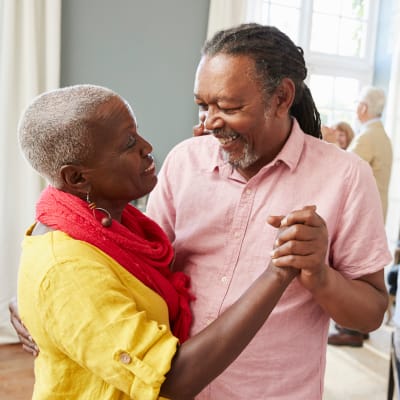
{"x": 236, "y": 234}
{"x": 224, "y": 279}
{"x": 125, "y": 358}
{"x": 248, "y": 191}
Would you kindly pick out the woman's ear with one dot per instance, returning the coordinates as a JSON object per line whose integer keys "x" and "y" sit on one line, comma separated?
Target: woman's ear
{"x": 285, "y": 96}
{"x": 73, "y": 178}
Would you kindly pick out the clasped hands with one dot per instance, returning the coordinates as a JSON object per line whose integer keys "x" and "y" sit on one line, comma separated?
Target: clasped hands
{"x": 301, "y": 244}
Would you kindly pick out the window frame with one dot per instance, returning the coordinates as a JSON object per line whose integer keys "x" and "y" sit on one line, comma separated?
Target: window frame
{"x": 337, "y": 65}
{"x": 360, "y": 69}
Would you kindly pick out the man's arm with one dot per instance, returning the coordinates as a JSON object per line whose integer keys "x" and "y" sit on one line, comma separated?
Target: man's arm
{"x": 358, "y": 304}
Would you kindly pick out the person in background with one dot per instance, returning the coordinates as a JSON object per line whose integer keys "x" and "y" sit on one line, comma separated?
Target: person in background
{"x": 340, "y": 133}
{"x": 396, "y": 334}
{"x": 259, "y": 153}
{"x": 257, "y": 149}
{"x": 95, "y": 287}
{"x": 373, "y": 145}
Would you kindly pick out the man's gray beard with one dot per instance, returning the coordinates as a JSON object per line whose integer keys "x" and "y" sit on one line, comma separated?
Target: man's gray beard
{"x": 245, "y": 161}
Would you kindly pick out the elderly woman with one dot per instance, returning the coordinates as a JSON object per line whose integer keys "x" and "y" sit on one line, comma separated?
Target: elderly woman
{"x": 95, "y": 288}
{"x": 340, "y": 133}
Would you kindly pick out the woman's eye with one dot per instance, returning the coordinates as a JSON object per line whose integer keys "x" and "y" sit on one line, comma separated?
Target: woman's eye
{"x": 131, "y": 141}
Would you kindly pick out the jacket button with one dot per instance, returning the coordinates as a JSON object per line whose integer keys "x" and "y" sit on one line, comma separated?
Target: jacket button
{"x": 125, "y": 358}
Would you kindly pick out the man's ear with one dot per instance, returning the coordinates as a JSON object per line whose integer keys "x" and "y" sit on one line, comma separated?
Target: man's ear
{"x": 363, "y": 108}
{"x": 73, "y": 178}
{"x": 284, "y": 97}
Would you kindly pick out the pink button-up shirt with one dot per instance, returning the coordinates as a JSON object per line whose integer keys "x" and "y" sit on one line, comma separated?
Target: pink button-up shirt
{"x": 217, "y": 223}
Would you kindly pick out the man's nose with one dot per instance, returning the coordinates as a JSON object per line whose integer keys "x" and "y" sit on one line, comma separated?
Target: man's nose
{"x": 213, "y": 120}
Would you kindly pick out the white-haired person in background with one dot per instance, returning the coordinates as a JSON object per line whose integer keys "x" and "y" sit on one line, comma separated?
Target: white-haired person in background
{"x": 373, "y": 145}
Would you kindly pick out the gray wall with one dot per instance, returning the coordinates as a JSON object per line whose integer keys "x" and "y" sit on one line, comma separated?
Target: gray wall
{"x": 147, "y": 51}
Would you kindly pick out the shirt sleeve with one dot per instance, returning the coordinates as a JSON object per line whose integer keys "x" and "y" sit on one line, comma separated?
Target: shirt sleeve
{"x": 359, "y": 244}
{"x": 92, "y": 318}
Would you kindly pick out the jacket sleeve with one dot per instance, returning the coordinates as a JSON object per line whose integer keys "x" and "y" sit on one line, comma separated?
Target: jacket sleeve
{"x": 93, "y": 319}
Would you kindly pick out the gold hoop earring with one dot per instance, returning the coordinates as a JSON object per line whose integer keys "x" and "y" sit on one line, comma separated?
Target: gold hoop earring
{"x": 105, "y": 221}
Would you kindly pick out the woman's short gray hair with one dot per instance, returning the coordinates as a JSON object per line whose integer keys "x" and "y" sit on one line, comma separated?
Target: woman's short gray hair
{"x": 55, "y": 129}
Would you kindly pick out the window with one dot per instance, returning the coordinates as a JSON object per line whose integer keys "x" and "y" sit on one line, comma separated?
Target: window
{"x": 338, "y": 39}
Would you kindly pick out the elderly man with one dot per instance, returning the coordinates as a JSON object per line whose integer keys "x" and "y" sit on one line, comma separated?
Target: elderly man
{"x": 263, "y": 155}
{"x": 373, "y": 145}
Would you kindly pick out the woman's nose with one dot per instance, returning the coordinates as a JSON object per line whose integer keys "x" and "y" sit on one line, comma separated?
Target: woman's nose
{"x": 146, "y": 147}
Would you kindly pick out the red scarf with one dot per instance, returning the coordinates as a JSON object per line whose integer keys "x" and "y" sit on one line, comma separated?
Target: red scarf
{"x": 137, "y": 243}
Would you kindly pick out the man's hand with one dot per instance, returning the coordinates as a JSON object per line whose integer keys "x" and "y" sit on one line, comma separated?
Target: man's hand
{"x": 27, "y": 342}
{"x": 302, "y": 243}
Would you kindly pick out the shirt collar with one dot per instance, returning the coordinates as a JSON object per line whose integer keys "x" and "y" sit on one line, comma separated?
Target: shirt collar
{"x": 370, "y": 122}
{"x": 292, "y": 149}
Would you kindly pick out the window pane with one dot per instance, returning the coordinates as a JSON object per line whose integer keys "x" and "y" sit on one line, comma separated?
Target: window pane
{"x": 345, "y": 92}
{"x": 321, "y": 87}
{"x": 352, "y": 38}
{"x": 289, "y": 3}
{"x": 287, "y": 20}
{"x": 348, "y": 8}
{"x": 341, "y": 116}
{"x": 354, "y": 8}
{"x": 334, "y": 97}
{"x": 324, "y": 34}
{"x": 325, "y": 115}
{"x": 339, "y": 27}
{"x": 327, "y": 6}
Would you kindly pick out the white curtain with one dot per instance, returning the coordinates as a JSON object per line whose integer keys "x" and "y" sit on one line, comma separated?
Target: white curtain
{"x": 225, "y": 14}
{"x": 29, "y": 64}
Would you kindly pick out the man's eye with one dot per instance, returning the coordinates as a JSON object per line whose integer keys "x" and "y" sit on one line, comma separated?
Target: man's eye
{"x": 229, "y": 110}
{"x": 131, "y": 141}
{"x": 203, "y": 107}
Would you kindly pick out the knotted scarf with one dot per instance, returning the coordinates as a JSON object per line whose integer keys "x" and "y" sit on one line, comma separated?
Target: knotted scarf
{"x": 137, "y": 243}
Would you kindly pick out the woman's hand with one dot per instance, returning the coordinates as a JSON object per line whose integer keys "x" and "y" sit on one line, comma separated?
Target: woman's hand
{"x": 26, "y": 339}
{"x": 199, "y": 130}
{"x": 286, "y": 272}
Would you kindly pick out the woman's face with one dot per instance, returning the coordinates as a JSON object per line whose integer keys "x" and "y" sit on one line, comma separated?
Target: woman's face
{"x": 122, "y": 168}
{"x": 341, "y": 138}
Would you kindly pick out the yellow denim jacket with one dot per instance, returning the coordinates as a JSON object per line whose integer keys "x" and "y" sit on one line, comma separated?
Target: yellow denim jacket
{"x": 102, "y": 333}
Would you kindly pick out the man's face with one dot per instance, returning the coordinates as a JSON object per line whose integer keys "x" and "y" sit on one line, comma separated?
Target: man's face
{"x": 235, "y": 111}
